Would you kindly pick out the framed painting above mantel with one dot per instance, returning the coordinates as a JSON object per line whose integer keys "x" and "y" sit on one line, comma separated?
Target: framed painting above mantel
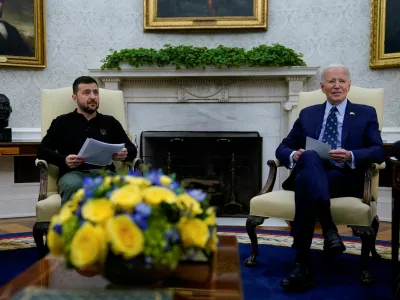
{"x": 205, "y": 14}
{"x": 385, "y": 34}
{"x": 22, "y": 33}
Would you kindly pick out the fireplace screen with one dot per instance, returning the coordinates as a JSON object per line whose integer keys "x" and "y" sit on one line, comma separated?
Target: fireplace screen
{"x": 227, "y": 165}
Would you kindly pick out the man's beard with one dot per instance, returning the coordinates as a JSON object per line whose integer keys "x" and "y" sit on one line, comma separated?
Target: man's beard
{"x": 87, "y": 109}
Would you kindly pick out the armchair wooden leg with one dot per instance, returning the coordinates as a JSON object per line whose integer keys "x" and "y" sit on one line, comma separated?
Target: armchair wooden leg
{"x": 368, "y": 237}
{"x": 39, "y": 230}
{"x": 251, "y": 225}
{"x": 375, "y": 227}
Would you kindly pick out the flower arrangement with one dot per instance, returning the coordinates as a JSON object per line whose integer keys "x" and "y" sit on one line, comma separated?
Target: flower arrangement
{"x": 133, "y": 223}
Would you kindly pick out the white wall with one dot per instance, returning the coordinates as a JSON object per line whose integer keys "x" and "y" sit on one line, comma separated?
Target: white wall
{"x": 80, "y": 33}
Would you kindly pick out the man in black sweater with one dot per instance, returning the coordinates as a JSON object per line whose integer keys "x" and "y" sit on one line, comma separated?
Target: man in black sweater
{"x": 68, "y": 132}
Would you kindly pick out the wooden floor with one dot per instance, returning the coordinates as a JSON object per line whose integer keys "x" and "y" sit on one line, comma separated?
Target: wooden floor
{"x": 17, "y": 225}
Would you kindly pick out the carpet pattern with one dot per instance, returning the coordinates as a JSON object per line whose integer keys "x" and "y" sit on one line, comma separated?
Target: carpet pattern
{"x": 15, "y": 241}
{"x": 338, "y": 279}
{"x": 282, "y": 238}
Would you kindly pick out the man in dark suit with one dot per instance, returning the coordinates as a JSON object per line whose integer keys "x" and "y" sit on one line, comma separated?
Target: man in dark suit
{"x": 352, "y": 130}
{"x": 11, "y": 42}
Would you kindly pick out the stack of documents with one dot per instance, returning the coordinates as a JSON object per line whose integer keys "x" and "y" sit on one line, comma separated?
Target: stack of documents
{"x": 98, "y": 153}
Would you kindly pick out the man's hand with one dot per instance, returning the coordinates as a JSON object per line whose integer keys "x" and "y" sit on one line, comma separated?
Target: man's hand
{"x": 120, "y": 156}
{"x": 340, "y": 155}
{"x": 297, "y": 154}
{"x": 74, "y": 161}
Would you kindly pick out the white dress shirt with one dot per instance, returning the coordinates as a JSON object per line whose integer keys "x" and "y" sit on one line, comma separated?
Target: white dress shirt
{"x": 340, "y": 117}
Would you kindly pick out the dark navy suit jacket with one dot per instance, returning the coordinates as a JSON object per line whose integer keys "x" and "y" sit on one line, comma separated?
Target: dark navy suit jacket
{"x": 360, "y": 134}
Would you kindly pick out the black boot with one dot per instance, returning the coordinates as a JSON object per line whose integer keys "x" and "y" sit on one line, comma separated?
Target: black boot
{"x": 333, "y": 244}
{"x": 299, "y": 279}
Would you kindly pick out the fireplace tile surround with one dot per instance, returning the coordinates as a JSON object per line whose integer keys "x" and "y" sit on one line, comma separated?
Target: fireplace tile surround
{"x": 263, "y": 100}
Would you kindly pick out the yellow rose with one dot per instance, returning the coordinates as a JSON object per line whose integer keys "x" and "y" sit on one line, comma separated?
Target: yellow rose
{"x": 154, "y": 195}
{"x": 165, "y": 180}
{"x": 189, "y": 204}
{"x": 102, "y": 239}
{"x": 194, "y": 232}
{"x": 140, "y": 181}
{"x": 125, "y": 236}
{"x": 54, "y": 240}
{"x": 127, "y": 197}
{"x": 213, "y": 241}
{"x": 211, "y": 219}
{"x": 98, "y": 210}
{"x": 78, "y": 196}
{"x": 66, "y": 212}
{"x": 107, "y": 181}
{"x": 116, "y": 179}
{"x": 85, "y": 246}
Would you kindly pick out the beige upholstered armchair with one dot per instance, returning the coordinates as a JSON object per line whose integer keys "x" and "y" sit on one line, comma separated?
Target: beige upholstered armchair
{"x": 359, "y": 214}
{"x": 56, "y": 102}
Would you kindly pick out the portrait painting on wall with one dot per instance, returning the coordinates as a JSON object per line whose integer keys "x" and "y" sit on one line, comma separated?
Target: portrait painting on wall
{"x": 205, "y": 14}
{"x": 385, "y": 34}
{"x": 22, "y": 33}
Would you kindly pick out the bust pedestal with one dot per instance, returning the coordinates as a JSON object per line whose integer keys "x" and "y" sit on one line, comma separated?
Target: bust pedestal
{"x": 5, "y": 135}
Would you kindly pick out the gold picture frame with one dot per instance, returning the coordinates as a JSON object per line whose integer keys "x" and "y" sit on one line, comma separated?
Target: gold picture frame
{"x": 205, "y": 14}
{"x": 385, "y": 34}
{"x": 26, "y": 29}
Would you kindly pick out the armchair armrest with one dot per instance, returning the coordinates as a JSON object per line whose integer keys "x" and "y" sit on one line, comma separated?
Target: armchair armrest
{"x": 136, "y": 164}
{"x": 273, "y": 168}
{"x": 43, "y": 167}
{"x": 367, "y": 196}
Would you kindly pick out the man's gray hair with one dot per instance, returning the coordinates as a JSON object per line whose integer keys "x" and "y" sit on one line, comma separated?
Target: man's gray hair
{"x": 333, "y": 66}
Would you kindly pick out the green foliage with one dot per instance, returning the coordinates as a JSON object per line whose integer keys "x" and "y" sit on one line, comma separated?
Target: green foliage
{"x": 69, "y": 229}
{"x": 155, "y": 244}
{"x": 191, "y": 57}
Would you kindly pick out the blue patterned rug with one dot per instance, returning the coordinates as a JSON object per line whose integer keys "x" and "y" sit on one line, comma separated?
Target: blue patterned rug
{"x": 339, "y": 280}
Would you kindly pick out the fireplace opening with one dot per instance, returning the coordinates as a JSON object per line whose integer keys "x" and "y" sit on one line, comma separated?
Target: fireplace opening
{"x": 226, "y": 165}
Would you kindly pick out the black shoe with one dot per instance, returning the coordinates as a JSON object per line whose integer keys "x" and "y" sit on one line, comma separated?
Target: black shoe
{"x": 333, "y": 244}
{"x": 299, "y": 279}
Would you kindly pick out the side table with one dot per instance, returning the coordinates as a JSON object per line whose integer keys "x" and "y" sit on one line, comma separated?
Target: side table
{"x": 395, "y": 225}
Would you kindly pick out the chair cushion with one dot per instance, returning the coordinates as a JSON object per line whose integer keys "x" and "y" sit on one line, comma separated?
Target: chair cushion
{"x": 345, "y": 210}
{"x": 47, "y": 208}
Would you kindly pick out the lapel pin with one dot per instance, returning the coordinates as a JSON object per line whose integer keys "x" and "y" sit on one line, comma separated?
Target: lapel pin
{"x": 351, "y": 113}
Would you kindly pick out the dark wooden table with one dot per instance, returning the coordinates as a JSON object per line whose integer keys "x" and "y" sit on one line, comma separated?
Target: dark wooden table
{"x": 395, "y": 225}
{"x": 224, "y": 281}
{"x": 19, "y": 148}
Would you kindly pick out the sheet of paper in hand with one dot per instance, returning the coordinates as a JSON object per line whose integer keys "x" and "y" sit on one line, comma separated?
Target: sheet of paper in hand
{"x": 321, "y": 148}
{"x": 99, "y": 153}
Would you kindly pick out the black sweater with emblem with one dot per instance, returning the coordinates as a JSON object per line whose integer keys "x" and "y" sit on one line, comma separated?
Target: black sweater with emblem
{"x": 67, "y": 133}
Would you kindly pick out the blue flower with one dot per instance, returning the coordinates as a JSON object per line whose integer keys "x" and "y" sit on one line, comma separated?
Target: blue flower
{"x": 88, "y": 182}
{"x": 89, "y": 193}
{"x": 98, "y": 180}
{"x": 172, "y": 236}
{"x": 143, "y": 209}
{"x": 78, "y": 213}
{"x": 148, "y": 260}
{"x": 133, "y": 173}
{"x": 155, "y": 177}
{"x": 140, "y": 221}
{"x": 173, "y": 186}
{"x": 57, "y": 228}
{"x": 199, "y": 195}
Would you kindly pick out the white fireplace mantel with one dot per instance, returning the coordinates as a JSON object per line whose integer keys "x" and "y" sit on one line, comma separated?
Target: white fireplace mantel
{"x": 171, "y": 72}
{"x": 228, "y": 85}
